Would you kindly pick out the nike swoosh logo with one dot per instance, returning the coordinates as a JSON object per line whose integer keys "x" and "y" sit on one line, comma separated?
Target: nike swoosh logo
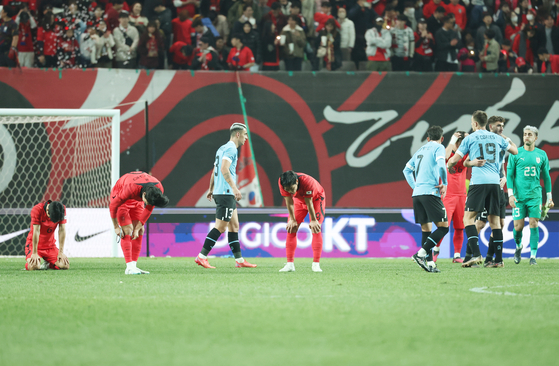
{"x": 7, "y": 237}
{"x": 79, "y": 238}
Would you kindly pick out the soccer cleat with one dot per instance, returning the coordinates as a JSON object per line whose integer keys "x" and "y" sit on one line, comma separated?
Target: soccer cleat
{"x": 202, "y": 262}
{"x": 517, "y": 255}
{"x": 316, "y": 267}
{"x": 434, "y": 269}
{"x": 420, "y": 262}
{"x": 289, "y": 267}
{"x": 457, "y": 260}
{"x": 533, "y": 261}
{"x": 471, "y": 262}
{"x": 488, "y": 264}
{"x": 133, "y": 271}
{"x": 244, "y": 264}
{"x": 44, "y": 265}
{"x": 435, "y": 255}
{"x": 142, "y": 271}
{"x": 498, "y": 265}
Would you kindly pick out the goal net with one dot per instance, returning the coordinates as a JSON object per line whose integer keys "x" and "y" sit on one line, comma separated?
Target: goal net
{"x": 71, "y": 156}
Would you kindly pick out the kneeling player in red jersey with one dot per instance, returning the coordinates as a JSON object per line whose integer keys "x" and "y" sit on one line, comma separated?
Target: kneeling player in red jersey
{"x": 303, "y": 194}
{"x": 45, "y": 217}
{"x": 130, "y": 194}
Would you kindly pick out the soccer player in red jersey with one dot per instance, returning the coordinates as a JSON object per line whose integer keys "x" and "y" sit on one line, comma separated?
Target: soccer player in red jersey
{"x": 303, "y": 194}
{"x": 132, "y": 200}
{"x": 455, "y": 200}
{"x": 45, "y": 217}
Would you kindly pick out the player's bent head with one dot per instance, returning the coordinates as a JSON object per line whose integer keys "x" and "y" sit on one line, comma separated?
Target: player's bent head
{"x": 155, "y": 197}
{"x": 288, "y": 179}
{"x": 435, "y": 133}
{"x": 56, "y": 211}
{"x": 237, "y": 128}
{"x": 480, "y": 117}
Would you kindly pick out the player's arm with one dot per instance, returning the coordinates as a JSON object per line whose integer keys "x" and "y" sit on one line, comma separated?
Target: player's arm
{"x": 503, "y": 175}
{"x": 314, "y": 225}
{"x": 35, "y": 260}
{"x": 62, "y": 261}
{"x": 452, "y": 145}
{"x": 113, "y": 208}
{"x": 408, "y": 173}
{"x": 440, "y": 159}
{"x": 547, "y": 183}
{"x": 459, "y": 154}
{"x": 225, "y": 164}
{"x": 292, "y": 222}
{"x": 211, "y": 190}
{"x": 512, "y": 148}
{"x": 476, "y": 162}
{"x": 511, "y": 170}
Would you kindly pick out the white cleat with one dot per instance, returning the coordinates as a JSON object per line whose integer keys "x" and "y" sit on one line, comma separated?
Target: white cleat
{"x": 289, "y": 267}
{"x": 133, "y": 271}
{"x": 44, "y": 265}
{"x": 142, "y": 271}
{"x": 316, "y": 267}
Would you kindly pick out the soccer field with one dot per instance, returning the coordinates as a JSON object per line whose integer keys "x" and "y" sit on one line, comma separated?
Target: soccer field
{"x": 357, "y": 312}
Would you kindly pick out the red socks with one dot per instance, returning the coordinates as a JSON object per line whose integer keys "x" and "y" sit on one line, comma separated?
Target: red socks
{"x": 458, "y": 240}
{"x": 316, "y": 247}
{"x": 136, "y": 248}
{"x": 126, "y": 245}
{"x": 290, "y": 245}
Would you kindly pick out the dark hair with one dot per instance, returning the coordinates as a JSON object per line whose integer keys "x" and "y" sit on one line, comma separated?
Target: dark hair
{"x": 462, "y": 136}
{"x": 326, "y": 4}
{"x": 187, "y": 50}
{"x": 116, "y": 2}
{"x": 99, "y": 6}
{"x": 440, "y": 9}
{"x": 495, "y": 119}
{"x": 288, "y": 178}
{"x": 435, "y": 133}
{"x": 123, "y": 14}
{"x": 506, "y": 42}
{"x": 480, "y": 117}
{"x": 245, "y": 23}
{"x": 542, "y": 51}
{"x": 275, "y": 5}
{"x": 197, "y": 22}
{"x": 246, "y": 6}
{"x": 237, "y": 36}
{"x": 155, "y": 197}
{"x": 295, "y": 18}
{"x": 332, "y": 22}
{"x": 402, "y": 17}
{"x": 205, "y": 40}
{"x": 56, "y": 211}
{"x": 389, "y": 8}
{"x": 486, "y": 14}
{"x": 445, "y": 19}
{"x": 490, "y": 33}
{"x": 296, "y": 4}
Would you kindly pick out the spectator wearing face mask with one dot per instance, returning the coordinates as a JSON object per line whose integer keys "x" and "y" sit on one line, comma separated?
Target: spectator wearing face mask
{"x": 402, "y": 45}
{"x": 512, "y": 27}
{"x": 247, "y": 16}
{"x": 480, "y": 34}
{"x": 379, "y": 43}
{"x": 347, "y": 33}
{"x": 409, "y": 12}
{"x": 25, "y": 50}
{"x": 424, "y": 48}
{"x": 522, "y": 11}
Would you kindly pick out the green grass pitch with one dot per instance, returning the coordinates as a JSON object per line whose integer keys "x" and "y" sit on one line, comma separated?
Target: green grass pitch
{"x": 357, "y": 312}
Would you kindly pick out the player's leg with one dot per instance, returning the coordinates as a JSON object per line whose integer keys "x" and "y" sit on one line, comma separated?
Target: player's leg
{"x": 50, "y": 256}
{"x": 225, "y": 206}
{"x": 125, "y": 222}
{"x": 319, "y": 205}
{"x": 475, "y": 203}
{"x": 518, "y": 215}
{"x": 301, "y": 211}
{"x": 233, "y": 239}
{"x": 28, "y": 252}
{"x": 534, "y": 214}
{"x": 497, "y": 232}
{"x": 136, "y": 244}
{"x": 421, "y": 218}
{"x": 435, "y": 212}
{"x": 481, "y": 222}
{"x": 450, "y": 203}
{"x": 458, "y": 224}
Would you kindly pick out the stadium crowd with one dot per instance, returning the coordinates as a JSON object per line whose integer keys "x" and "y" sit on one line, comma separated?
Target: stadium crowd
{"x": 379, "y": 35}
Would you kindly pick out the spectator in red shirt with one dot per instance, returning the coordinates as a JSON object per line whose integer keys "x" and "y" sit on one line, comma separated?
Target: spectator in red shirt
{"x": 275, "y": 16}
{"x": 190, "y": 5}
{"x": 111, "y": 15}
{"x": 550, "y": 63}
{"x": 68, "y": 49}
{"x": 459, "y": 12}
{"x": 429, "y": 8}
{"x": 181, "y": 55}
{"x": 182, "y": 28}
{"x": 320, "y": 18}
{"x": 512, "y": 28}
{"x": 205, "y": 57}
{"x": 40, "y": 243}
{"x": 424, "y": 47}
{"x": 151, "y": 48}
{"x": 468, "y": 55}
{"x": 48, "y": 35}
{"x": 25, "y": 50}
{"x": 241, "y": 57}
{"x": 522, "y": 45}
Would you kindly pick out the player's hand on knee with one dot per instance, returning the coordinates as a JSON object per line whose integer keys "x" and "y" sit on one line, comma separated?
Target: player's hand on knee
{"x": 119, "y": 232}
{"x": 62, "y": 261}
{"x": 291, "y": 227}
{"x": 315, "y": 227}
{"x": 34, "y": 262}
{"x": 139, "y": 231}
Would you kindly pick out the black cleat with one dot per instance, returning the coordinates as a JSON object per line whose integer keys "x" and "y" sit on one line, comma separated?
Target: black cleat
{"x": 434, "y": 269}
{"x": 517, "y": 255}
{"x": 488, "y": 264}
{"x": 533, "y": 261}
{"x": 420, "y": 262}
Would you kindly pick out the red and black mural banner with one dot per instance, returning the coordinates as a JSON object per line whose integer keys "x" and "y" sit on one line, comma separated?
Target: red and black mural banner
{"x": 353, "y": 132}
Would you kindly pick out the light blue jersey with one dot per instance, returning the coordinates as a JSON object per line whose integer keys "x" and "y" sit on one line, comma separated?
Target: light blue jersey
{"x": 229, "y": 153}
{"x": 486, "y": 145}
{"x": 426, "y": 165}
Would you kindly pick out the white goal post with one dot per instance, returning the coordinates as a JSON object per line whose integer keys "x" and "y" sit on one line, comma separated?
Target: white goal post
{"x": 68, "y": 155}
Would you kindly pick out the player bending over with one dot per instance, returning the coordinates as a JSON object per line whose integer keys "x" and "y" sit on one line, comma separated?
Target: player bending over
{"x": 45, "y": 217}
{"x": 132, "y": 200}
{"x": 484, "y": 187}
{"x": 303, "y": 194}
{"x": 525, "y": 191}
{"x": 427, "y": 165}
{"x": 223, "y": 189}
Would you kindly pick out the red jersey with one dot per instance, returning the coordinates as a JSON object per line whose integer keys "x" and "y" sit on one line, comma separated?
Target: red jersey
{"x": 129, "y": 187}
{"x": 178, "y": 57}
{"x": 457, "y": 181}
{"x": 182, "y": 30}
{"x": 459, "y": 12}
{"x": 239, "y": 58}
{"x": 25, "y": 42}
{"x": 50, "y": 39}
{"x": 426, "y": 46}
{"x": 308, "y": 187}
{"x": 39, "y": 217}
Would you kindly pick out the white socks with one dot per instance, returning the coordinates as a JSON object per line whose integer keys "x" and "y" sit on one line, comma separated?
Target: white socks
{"x": 201, "y": 256}
{"x": 456, "y": 255}
{"x": 131, "y": 265}
{"x": 422, "y": 252}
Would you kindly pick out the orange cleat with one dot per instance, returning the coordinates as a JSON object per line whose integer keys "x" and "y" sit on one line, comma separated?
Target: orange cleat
{"x": 202, "y": 262}
{"x": 457, "y": 260}
{"x": 244, "y": 264}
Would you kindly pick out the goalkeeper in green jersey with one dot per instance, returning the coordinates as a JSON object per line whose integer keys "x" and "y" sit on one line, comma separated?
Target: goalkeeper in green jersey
{"x": 525, "y": 192}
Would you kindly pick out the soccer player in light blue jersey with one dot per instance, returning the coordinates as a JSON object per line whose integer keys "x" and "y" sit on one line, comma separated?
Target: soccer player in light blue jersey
{"x": 484, "y": 148}
{"x": 424, "y": 172}
{"x": 224, "y": 190}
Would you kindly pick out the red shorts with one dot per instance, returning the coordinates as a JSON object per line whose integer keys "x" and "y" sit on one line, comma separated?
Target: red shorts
{"x": 49, "y": 254}
{"x": 301, "y": 211}
{"x": 455, "y": 206}
{"x": 130, "y": 211}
